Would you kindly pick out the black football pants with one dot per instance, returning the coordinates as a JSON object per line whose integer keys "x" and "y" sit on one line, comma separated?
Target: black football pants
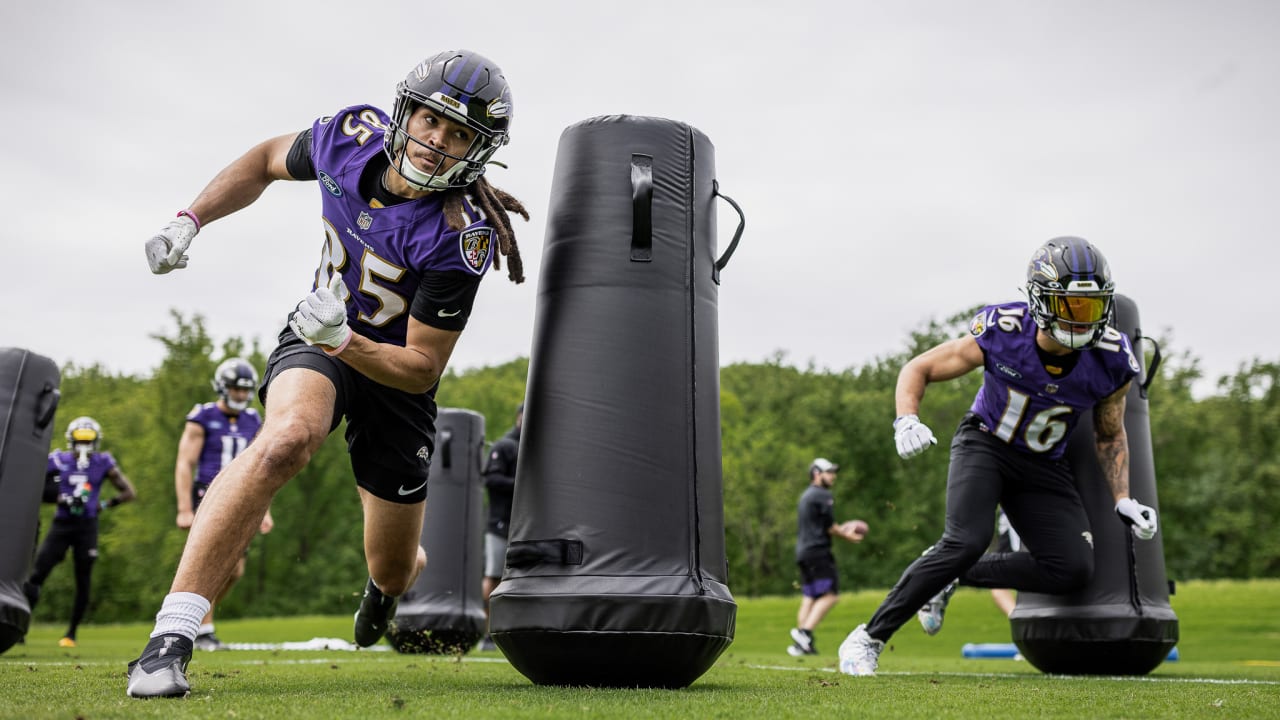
{"x": 1040, "y": 498}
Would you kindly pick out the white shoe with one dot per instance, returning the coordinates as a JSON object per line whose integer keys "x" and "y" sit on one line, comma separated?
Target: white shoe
{"x": 930, "y": 616}
{"x": 860, "y": 653}
{"x": 804, "y": 640}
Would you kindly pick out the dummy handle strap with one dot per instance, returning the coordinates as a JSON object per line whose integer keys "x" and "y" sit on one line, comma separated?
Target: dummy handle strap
{"x": 737, "y": 235}
{"x": 524, "y": 553}
{"x": 641, "y": 208}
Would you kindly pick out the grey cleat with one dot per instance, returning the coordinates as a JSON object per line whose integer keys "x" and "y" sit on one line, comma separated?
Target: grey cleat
{"x": 161, "y": 670}
{"x": 930, "y": 616}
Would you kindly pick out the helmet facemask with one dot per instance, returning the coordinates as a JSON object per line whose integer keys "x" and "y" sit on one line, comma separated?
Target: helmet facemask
{"x": 1075, "y": 319}
{"x": 465, "y": 169}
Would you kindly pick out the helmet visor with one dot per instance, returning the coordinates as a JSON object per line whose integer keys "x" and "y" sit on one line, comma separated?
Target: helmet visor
{"x": 1081, "y": 309}
{"x": 84, "y": 435}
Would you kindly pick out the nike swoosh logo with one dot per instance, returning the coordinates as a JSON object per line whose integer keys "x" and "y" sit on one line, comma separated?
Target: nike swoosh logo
{"x": 402, "y": 491}
{"x": 442, "y": 313}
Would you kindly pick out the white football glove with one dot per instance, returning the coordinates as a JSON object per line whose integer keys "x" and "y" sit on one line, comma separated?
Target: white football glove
{"x": 321, "y": 317}
{"x": 167, "y": 251}
{"x": 912, "y": 436}
{"x": 1140, "y": 518}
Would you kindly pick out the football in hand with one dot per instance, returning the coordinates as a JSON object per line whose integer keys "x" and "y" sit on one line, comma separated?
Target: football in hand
{"x": 857, "y": 527}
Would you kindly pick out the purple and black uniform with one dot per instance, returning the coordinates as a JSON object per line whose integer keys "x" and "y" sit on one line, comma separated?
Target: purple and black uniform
{"x": 75, "y": 525}
{"x": 1008, "y": 451}
{"x": 225, "y": 436}
{"x": 79, "y": 483}
{"x": 397, "y": 258}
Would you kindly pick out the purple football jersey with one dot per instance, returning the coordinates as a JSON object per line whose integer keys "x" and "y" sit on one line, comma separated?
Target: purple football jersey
{"x": 81, "y": 480}
{"x": 382, "y": 251}
{"x": 224, "y": 437}
{"x": 1022, "y": 403}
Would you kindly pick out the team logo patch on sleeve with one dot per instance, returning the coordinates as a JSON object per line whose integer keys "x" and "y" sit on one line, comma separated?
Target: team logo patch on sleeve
{"x": 978, "y": 325}
{"x": 476, "y": 244}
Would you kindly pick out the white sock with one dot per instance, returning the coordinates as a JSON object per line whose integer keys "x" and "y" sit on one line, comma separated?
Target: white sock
{"x": 180, "y": 614}
{"x": 205, "y": 629}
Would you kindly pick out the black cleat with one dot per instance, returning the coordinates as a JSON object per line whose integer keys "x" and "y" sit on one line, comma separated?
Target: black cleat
{"x": 374, "y": 615}
{"x": 161, "y": 670}
{"x": 208, "y": 641}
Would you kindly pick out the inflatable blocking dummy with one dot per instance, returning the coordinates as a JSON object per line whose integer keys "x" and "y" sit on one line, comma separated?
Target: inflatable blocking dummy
{"x": 616, "y": 569}
{"x": 28, "y": 400}
{"x": 444, "y": 610}
{"x": 1121, "y": 622}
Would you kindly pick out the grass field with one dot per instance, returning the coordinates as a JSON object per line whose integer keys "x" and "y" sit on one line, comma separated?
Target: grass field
{"x": 1228, "y": 667}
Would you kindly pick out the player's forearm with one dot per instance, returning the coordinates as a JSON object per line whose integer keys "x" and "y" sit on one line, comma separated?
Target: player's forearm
{"x": 239, "y": 184}
{"x": 909, "y": 390}
{"x": 182, "y": 484}
{"x": 406, "y": 369}
{"x": 126, "y": 492}
{"x": 1113, "y": 456}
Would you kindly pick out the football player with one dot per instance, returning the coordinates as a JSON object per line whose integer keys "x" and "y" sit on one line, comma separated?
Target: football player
{"x": 214, "y": 434}
{"x": 410, "y": 226}
{"x": 74, "y": 481}
{"x": 1045, "y": 362}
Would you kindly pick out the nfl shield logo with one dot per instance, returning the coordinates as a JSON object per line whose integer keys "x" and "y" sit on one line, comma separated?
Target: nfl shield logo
{"x": 476, "y": 244}
{"x": 364, "y": 221}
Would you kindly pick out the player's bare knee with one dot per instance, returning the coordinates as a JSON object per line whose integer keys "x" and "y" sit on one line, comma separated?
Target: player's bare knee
{"x": 286, "y": 451}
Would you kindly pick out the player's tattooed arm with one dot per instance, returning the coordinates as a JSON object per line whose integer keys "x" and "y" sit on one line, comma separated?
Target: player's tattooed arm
{"x": 1112, "y": 441}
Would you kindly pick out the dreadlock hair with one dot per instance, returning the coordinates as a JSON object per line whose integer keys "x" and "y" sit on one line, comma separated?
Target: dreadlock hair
{"x": 495, "y": 204}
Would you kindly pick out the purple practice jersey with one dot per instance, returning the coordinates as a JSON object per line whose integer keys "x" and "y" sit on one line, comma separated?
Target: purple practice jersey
{"x": 1020, "y": 402}
{"x": 383, "y": 251}
{"x": 225, "y": 436}
{"x": 79, "y": 481}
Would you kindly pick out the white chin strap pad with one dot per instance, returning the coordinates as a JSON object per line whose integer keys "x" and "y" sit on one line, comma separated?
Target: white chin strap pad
{"x": 1070, "y": 339}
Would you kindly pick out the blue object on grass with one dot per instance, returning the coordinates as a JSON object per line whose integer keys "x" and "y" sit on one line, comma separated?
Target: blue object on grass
{"x": 1009, "y": 650}
{"x": 989, "y": 650}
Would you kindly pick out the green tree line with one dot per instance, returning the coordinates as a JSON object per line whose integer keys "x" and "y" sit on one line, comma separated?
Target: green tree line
{"x": 1217, "y": 461}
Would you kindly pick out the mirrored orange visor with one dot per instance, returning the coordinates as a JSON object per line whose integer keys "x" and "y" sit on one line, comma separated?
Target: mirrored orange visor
{"x": 1079, "y": 308}
{"x": 83, "y": 435}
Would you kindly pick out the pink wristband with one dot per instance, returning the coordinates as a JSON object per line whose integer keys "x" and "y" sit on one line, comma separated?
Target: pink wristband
{"x": 338, "y": 350}
{"x": 191, "y": 215}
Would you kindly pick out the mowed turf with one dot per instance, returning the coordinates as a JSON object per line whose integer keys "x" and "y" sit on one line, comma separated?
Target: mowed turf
{"x": 1229, "y": 667}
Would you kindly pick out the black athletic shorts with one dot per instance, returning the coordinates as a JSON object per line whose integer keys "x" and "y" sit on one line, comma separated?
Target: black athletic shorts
{"x": 818, "y": 575}
{"x": 390, "y": 433}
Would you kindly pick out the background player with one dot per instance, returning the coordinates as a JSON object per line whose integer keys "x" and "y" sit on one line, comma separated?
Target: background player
{"x": 1045, "y": 362}
{"x": 819, "y": 580}
{"x": 500, "y": 482}
{"x": 411, "y": 226}
{"x": 216, "y": 432}
{"x": 75, "y": 477}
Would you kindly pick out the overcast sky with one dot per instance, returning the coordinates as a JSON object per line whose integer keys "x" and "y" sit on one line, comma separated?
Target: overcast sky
{"x": 897, "y": 162}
